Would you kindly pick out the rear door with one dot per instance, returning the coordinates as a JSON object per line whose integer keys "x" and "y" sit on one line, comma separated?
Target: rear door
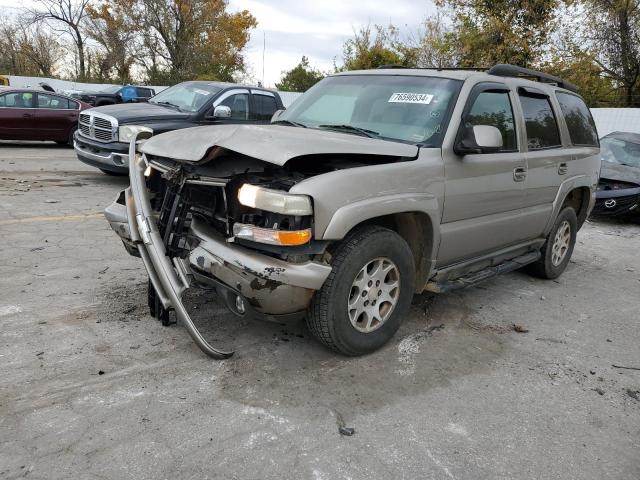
{"x": 484, "y": 193}
{"x": 55, "y": 116}
{"x": 264, "y": 106}
{"x": 546, "y": 156}
{"x": 17, "y": 116}
{"x": 143, "y": 94}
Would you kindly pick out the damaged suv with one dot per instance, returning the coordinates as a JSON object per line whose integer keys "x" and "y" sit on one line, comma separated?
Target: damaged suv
{"x": 373, "y": 186}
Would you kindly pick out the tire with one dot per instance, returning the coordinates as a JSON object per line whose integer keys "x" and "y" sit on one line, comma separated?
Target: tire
{"x": 71, "y": 133}
{"x": 113, "y": 174}
{"x": 555, "y": 257}
{"x": 330, "y": 316}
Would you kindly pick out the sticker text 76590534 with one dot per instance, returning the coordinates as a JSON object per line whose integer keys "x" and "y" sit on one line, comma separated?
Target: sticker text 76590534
{"x": 423, "y": 98}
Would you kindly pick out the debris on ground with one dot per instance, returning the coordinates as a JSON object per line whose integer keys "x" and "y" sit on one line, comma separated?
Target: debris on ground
{"x": 520, "y": 328}
{"x": 52, "y": 201}
{"x": 599, "y": 391}
{"x": 347, "y": 431}
{"x": 100, "y": 372}
{"x": 625, "y": 368}
{"x": 635, "y": 394}
{"x": 550, "y": 340}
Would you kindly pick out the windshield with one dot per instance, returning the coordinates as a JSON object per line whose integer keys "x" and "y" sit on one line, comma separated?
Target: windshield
{"x": 409, "y": 109}
{"x": 114, "y": 89}
{"x": 621, "y": 152}
{"x": 188, "y": 97}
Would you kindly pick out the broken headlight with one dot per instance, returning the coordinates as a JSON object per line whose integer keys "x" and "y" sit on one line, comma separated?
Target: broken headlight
{"x": 274, "y": 200}
{"x": 127, "y": 132}
{"x": 285, "y": 238}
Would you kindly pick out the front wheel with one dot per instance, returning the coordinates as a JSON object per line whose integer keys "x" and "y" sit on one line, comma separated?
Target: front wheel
{"x": 368, "y": 293}
{"x": 558, "y": 248}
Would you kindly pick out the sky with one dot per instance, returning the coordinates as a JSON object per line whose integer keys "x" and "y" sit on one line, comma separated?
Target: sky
{"x": 293, "y": 28}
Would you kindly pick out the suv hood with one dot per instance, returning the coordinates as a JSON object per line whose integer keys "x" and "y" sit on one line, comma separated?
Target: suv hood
{"x": 620, "y": 173}
{"x": 275, "y": 144}
{"x": 141, "y": 112}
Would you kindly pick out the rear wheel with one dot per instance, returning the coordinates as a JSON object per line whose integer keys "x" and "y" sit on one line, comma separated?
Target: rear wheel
{"x": 558, "y": 248}
{"x": 367, "y": 294}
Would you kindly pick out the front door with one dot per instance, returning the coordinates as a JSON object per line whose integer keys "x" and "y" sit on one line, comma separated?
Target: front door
{"x": 484, "y": 193}
{"x": 17, "y": 116}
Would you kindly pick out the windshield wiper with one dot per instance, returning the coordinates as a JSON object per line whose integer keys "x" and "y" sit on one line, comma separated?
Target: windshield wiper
{"x": 350, "y": 128}
{"x": 289, "y": 122}
{"x": 167, "y": 104}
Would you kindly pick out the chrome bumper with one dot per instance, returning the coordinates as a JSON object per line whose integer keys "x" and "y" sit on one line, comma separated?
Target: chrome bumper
{"x": 271, "y": 287}
{"x": 109, "y": 160}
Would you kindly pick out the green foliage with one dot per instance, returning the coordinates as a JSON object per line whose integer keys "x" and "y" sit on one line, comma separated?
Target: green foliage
{"x": 300, "y": 78}
{"x": 371, "y": 49}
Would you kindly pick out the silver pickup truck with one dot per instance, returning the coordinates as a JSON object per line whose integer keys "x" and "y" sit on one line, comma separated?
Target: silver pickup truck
{"x": 374, "y": 186}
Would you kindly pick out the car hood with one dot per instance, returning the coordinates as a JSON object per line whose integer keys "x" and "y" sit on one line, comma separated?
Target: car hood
{"x": 275, "y": 144}
{"x": 141, "y": 112}
{"x": 621, "y": 173}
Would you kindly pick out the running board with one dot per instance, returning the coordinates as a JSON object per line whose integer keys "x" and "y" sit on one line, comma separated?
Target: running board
{"x": 477, "y": 277}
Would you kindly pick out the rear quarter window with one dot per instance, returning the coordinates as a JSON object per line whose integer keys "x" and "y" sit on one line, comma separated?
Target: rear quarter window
{"x": 582, "y": 128}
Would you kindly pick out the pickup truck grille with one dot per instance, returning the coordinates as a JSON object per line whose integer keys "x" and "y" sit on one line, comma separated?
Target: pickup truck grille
{"x": 102, "y": 128}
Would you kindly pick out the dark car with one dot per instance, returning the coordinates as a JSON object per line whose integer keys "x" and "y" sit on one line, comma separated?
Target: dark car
{"x": 116, "y": 94}
{"x": 619, "y": 187}
{"x": 105, "y": 132}
{"x": 28, "y": 114}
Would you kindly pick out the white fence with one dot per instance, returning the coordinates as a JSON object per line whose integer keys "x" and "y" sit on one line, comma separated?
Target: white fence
{"x": 616, "y": 120}
{"x": 66, "y": 85}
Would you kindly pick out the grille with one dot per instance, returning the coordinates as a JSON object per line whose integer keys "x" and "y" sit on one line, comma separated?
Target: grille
{"x": 97, "y": 128}
{"x": 623, "y": 205}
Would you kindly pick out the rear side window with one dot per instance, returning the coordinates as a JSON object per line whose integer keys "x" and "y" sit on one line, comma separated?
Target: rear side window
{"x": 542, "y": 128}
{"x": 265, "y": 106}
{"x": 53, "y": 102}
{"x": 582, "y": 129}
{"x": 494, "y": 109}
{"x": 144, "y": 92}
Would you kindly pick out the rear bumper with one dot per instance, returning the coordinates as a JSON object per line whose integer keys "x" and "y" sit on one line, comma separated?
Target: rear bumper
{"x": 270, "y": 288}
{"x": 113, "y": 157}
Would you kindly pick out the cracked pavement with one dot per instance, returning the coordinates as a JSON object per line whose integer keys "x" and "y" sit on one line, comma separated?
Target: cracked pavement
{"x": 91, "y": 387}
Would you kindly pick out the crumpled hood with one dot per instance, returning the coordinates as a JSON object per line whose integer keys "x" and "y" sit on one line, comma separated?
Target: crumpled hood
{"x": 275, "y": 144}
{"x": 621, "y": 173}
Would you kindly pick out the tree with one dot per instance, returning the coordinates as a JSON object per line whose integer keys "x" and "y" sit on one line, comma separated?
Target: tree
{"x": 64, "y": 16}
{"x": 113, "y": 27}
{"x": 300, "y": 78}
{"x": 500, "y": 31}
{"x": 432, "y": 48}
{"x": 196, "y": 38}
{"x": 371, "y": 49}
{"x": 27, "y": 50}
{"x": 615, "y": 32}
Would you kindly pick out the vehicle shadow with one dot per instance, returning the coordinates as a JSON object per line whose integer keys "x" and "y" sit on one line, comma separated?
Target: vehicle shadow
{"x": 32, "y": 144}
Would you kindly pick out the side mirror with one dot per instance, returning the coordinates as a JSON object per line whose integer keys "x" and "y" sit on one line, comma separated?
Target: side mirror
{"x": 276, "y": 114}
{"x": 479, "y": 139}
{"x": 222, "y": 111}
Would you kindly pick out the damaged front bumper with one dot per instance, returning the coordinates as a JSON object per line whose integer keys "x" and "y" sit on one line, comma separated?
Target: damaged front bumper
{"x": 250, "y": 283}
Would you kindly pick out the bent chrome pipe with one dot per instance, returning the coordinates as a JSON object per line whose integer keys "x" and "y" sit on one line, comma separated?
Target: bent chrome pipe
{"x": 169, "y": 286}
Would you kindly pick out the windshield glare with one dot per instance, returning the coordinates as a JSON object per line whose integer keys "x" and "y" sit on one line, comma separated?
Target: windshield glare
{"x": 404, "y": 108}
{"x": 621, "y": 152}
{"x": 189, "y": 97}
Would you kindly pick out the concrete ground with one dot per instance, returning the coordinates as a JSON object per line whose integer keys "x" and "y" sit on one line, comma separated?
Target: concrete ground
{"x": 91, "y": 387}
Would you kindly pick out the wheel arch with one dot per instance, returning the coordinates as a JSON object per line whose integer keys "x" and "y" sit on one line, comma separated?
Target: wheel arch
{"x": 417, "y": 228}
{"x": 579, "y": 192}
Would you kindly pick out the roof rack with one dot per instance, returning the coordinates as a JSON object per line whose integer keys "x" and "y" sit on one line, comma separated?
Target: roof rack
{"x": 392, "y": 66}
{"x": 506, "y": 70}
{"x": 503, "y": 70}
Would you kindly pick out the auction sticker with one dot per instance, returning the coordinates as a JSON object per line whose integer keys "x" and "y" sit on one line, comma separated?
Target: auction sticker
{"x": 423, "y": 98}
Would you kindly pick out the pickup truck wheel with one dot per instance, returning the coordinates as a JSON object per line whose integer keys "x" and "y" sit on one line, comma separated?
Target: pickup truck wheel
{"x": 368, "y": 293}
{"x": 557, "y": 250}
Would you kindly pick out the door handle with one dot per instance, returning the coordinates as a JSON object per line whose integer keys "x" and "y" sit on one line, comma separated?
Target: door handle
{"x": 519, "y": 174}
{"x": 563, "y": 168}
{"x": 27, "y": 115}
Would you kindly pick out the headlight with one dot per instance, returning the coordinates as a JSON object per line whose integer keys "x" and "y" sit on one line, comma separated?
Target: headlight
{"x": 127, "y": 132}
{"x": 287, "y": 238}
{"x": 274, "y": 200}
